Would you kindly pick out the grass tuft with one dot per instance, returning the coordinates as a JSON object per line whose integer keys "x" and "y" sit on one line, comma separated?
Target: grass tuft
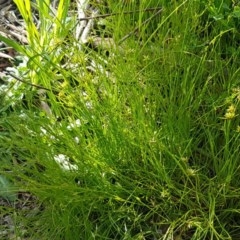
{"x": 146, "y": 146}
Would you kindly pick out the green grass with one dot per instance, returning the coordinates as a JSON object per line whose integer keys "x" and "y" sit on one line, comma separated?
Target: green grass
{"x": 157, "y": 148}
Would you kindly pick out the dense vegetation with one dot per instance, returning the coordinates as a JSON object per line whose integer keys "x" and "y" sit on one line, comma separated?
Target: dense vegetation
{"x": 143, "y": 146}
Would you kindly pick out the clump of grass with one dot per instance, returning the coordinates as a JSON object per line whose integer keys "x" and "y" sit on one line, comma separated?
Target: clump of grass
{"x": 144, "y": 148}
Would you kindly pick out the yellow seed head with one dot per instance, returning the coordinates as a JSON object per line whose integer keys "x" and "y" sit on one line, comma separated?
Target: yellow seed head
{"x": 229, "y": 115}
{"x": 231, "y": 109}
{"x": 191, "y": 172}
{"x": 231, "y": 112}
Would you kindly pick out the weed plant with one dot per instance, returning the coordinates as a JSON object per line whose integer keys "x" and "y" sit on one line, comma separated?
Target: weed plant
{"x": 145, "y": 147}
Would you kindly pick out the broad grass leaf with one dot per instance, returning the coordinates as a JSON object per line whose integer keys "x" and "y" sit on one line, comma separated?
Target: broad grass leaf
{"x": 13, "y": 44}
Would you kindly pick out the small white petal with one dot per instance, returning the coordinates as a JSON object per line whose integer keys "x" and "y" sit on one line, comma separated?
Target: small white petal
{"x": 44, "y": 131}
{"x": 78, "y": 123}
{"x": 76, "y": 140}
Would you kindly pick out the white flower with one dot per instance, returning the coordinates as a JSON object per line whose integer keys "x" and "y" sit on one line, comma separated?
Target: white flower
{"x": 78, "y": 123}
{"x": 89, "y": 105}
{"x": 75, "y": 124}
{"x": 43, "y": 130}
{"x": 76, "y": 140}
{"x": 64, "y": 162}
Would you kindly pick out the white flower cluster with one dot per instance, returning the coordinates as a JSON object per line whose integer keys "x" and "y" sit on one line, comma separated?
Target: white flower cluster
{"x": 10, "y": 88}
{"x": 64, "y": 162}
{"x": 62, "y": 159}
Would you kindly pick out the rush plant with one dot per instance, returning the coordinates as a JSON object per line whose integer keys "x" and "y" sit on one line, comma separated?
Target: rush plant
{"x": 142, "y": 141}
